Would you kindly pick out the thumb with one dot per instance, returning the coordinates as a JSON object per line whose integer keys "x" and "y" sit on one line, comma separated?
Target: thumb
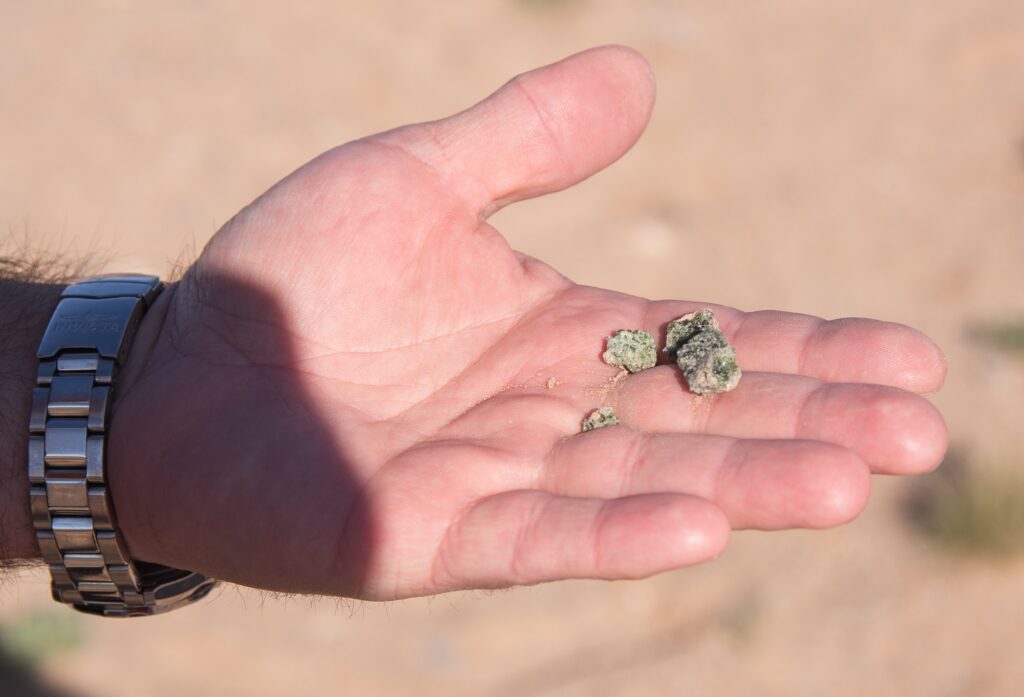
{"x": 541, "y": 132}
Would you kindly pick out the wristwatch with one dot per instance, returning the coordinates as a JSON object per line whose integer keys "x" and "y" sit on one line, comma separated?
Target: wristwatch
{"x": 81, "y": 352}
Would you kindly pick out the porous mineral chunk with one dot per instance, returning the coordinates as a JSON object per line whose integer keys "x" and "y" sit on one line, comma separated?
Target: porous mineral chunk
{"x": 632, "y": 349}
{"x": 599, "y": 418}
{"x": 702, "y": 352}
{"x": 683, "y": 329}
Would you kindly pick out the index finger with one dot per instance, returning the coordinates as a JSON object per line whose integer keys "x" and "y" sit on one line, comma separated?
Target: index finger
{"x": 851, "y": 349}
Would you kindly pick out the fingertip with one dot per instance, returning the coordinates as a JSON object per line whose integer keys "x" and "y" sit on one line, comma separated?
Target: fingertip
{"x": 910, "y": 435}
{"x": 653, "y": 533}
{"x": 924, "y": 446}
{"x": 920, "y": 364}
{"x": 934, "y": 366}
{"x": 630, "y": 73}
{"x": 626, "y": 54}
{"x": 717, "y": 533}
{"x": 703, "y": 530}
{"x": 895, "y": 431}
{"x": 776, "y": 485}
{"x": 843, "y": 493}
{"x": 848, "y": 349}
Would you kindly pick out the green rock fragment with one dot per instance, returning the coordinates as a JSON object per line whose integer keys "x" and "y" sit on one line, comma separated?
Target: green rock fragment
{"x": 681, "y": 330}
{"x": 702, "y": 352}
{"x": 599, "y": 418}
{"x": 632, "y": 349}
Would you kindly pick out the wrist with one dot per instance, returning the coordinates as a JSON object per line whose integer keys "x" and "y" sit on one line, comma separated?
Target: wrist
{"x": 128, "y": 419}
{"x": 25, "y": 310}
{"x": 83, "y": 351}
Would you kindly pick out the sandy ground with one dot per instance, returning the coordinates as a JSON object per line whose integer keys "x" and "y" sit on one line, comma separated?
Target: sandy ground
{"x": 839, "y": 158}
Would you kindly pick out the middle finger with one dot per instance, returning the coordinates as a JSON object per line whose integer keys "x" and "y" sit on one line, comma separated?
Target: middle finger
{"x": 892, "y": 430}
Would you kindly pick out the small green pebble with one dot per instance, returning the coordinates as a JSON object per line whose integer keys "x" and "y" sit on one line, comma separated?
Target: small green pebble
{"x": 702, "y": 352}
{"x": 681, "y": 330}
{"x": 632, "y": 349}
{"x": 599, "y": 418}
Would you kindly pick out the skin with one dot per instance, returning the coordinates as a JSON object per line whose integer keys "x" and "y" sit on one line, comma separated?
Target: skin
{"x": 347, "y": 393}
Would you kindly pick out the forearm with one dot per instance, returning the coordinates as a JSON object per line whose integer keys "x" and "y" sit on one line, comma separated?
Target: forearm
{"x": 25, "y": 308}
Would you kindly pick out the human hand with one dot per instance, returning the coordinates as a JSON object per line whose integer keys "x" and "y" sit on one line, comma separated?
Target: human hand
{"x": 348, "y": 392}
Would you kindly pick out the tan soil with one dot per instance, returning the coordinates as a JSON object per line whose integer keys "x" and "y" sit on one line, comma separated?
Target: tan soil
{"x": 838, "y": 158}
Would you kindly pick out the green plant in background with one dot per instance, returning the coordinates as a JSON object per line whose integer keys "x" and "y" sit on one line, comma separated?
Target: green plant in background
{"x": 32, "y": 637}
{"x": 1006, "y": 336}
{"x": 970, "y": 509}
{"x": 741, "y": 620}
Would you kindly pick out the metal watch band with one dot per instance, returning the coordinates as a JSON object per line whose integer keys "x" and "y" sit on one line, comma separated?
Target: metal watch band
{"x": 80, "y": 354}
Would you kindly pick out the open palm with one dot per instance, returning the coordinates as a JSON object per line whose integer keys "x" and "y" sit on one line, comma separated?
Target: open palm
{"x": 360, "y": 389}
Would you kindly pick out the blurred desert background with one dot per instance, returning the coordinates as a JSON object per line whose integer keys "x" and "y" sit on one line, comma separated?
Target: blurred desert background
{"x": 837, "y": 157}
